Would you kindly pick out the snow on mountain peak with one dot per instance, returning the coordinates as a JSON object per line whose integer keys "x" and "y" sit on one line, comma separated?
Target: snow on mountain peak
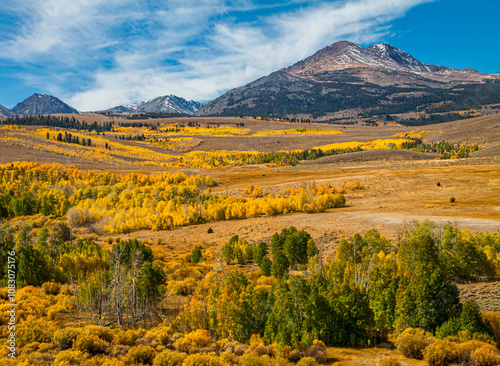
{"x": 164, "y": 104}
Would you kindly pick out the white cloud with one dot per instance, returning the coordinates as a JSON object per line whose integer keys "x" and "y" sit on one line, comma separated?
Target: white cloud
{"x": 131, "y": 50}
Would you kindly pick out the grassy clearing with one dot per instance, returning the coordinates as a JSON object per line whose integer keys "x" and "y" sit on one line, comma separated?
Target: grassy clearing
{"x": 299, "y": 131}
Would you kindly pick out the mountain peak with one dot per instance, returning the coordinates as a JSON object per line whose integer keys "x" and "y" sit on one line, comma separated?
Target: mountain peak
{"x": 344, "y": 54}
{"x": 402, "y": 58}
{"x": 164, "y": 104}
{"x": 5, "y": 112}
{"x": 42, "y": 104}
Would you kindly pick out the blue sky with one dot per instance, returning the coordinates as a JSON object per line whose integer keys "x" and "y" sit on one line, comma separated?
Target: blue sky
{"x": 96, "y": 54}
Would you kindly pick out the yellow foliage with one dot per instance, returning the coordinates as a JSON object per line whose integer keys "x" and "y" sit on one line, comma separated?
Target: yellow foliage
{"x": 202, "y": 359}
{"x": 69, "y": 357}
{"x": 440, "y": 353}
{"x": 369, "y": 145}
{"x": 412, "y": 134}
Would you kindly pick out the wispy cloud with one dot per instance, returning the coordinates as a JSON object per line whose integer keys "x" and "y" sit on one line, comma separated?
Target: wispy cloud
{"x": 101, "y": 53}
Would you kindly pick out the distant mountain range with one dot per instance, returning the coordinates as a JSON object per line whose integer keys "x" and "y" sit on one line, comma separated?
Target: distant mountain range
{"x": 344, "y": 76}
{"x": 47, "y": 104}
{"x": 165, "y": 104}
{"x": 340, "y": 80}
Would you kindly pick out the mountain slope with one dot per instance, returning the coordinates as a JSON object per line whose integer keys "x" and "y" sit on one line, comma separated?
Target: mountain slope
{"x": 5, "y": 112}
{"x": 164, "y": 104}
{"x": 42, "y": 104}
{"x": 346, "y": 76}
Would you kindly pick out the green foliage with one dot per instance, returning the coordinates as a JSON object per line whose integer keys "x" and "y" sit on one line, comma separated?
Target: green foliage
{"x": 304, "y": 311}
{"x": 196, "y": 255}
{"x": 471, "y": 320}
{"x": 450, "y": 327}
{"x": 259, "y": 252}
{"x": 130, "y": 248}
{"x": 280, "y": 265}
{"x": 265, "y": 266}
{"x": 7, "y": 244}
{"x": 151, "y": 279}
{"x": 426, "y": 290}
{"x": 237, "y": 249}
{"x": 418, "y": 247}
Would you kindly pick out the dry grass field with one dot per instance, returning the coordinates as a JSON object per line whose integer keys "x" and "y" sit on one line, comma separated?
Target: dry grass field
{"x": 385, "y": 189}
{"x": 397, "y": 185}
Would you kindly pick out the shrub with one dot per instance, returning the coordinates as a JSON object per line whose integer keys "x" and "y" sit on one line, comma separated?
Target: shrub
{"x": 51, "y": 288}
{"x": 91, "y": 344}
{"x": 228, "y": 358}
{"x": 164, "y": 337}
{"x": 439, "y": 184}
{"x": 64, "y": 338}
{"x": 141, "y": 355}
{"x": 52, "y": 314}
{"x": 295, "y": 355}
{"x": 486, "y": 355}
{"x": 202, "y": 359}
{"x": 33, "y": 331}
{"x": 118, "y": 351}
{"x": 169, "y": 358}
{"x": 69, "y": 357}
{"x": 318, "y": 353}
{"x": 127, "y": 338}
{"x": 240, "y": 349}
{"x": 464, "y": 351}
{"x": 390, "y": 361}
{"x": 412, "y": 342}
{"x": 452, "y": 199}
{"x": 307, "y": 361}
{"x": 440, "y": 353}
{"x": 264, "y": 350}
{"x": 210, "y": 230}
{"x": 198, "y": 339}
{"x": 66, "y": 290}
{"x": 252, "y": 359}
{"x": 112, "y": 362}
{"x": 494, "y": 320}
{"x": 46, "y": 347}
{"x": 105, "y": 334}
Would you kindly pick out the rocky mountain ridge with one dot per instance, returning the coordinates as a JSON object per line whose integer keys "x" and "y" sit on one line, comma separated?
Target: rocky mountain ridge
{"x": 347, "y": 76}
